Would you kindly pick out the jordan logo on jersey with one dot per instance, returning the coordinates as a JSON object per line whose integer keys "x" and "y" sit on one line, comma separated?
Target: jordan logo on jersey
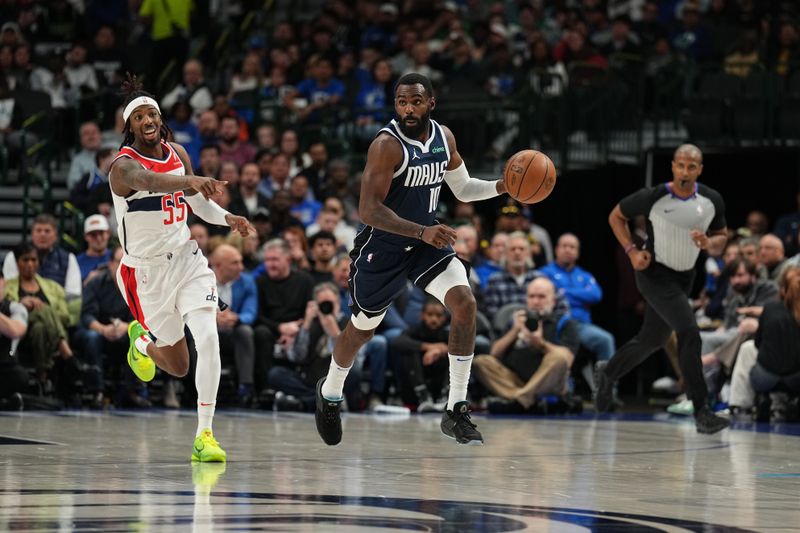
{"x": 414, "y": 154}
{"x": 426, "y": 174}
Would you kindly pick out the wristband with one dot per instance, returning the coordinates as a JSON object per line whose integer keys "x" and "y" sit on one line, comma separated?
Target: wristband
{"x": 630, "y": 247}
{"x": 421, "y": 231}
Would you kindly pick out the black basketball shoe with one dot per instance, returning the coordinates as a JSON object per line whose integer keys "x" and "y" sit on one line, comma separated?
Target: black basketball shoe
{"x": 328, "y": 417}
{"x": 604, "y": 388}
{"x": 707, "y": 422}
{"x": 457, "y": 425}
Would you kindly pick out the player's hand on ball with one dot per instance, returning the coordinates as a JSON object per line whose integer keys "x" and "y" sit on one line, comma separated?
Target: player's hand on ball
{"x": 439, "y": 236}
{"x": 206, "y": 186}
{"x": 640, "y": 259}
{"x": 240, "y": 224}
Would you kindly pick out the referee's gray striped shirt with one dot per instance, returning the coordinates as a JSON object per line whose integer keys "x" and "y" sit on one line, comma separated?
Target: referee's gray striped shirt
{"x": 670, "y": 219}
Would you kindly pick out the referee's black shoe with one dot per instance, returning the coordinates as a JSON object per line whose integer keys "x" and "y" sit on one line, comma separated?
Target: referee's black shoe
{"x": 707, "y": 422}
{"x": 603, "y": 388}
{"x": 329, "y": 418}
{"x": 456, "y": 424}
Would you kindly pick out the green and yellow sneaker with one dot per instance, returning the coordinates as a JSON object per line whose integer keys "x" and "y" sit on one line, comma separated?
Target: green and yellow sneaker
{"x": 140, "y": 363}
{"x": 206, "y": 449}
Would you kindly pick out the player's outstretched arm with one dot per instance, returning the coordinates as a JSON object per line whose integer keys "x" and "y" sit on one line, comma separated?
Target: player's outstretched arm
{"x": 127, "y": 175}
{"x": 464, "y": 187}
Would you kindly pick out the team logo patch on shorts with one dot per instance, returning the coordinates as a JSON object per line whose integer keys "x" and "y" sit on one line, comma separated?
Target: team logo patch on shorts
{"x": 369, "y": 258}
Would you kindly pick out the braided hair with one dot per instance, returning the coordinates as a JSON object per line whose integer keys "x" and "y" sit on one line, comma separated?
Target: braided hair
{"x": 133, "y": 88}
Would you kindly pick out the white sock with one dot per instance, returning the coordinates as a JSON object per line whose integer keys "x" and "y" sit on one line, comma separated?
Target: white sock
{"x": 333, "y": 387}
{"x": 203, "y": 325}
{"x": 460, "y": 366}
{"x": 141, "y": 343}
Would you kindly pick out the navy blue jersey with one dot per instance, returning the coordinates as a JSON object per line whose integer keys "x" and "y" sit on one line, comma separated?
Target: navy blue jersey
{"x": 417, "y": 182}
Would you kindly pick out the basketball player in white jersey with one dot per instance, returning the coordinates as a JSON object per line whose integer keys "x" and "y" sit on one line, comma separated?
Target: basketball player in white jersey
{"x": 163, "y": 276}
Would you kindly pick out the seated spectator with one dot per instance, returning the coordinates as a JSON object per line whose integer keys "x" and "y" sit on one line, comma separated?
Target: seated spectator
{"x": 235, "y": 323}
{"x": 374, "y": 101}
{"x": 316, "y": 171}
{"x": 311, "y": 354}
{"x": 282, "y": 297}
{"x": 772, "y": 359}
{"x": 267, "y": 137}
{"x": 231, "y": 147}
{"x": 184, "y": 131}
{"x": 290, "y": 147}
{"x": 103, "y": 337}
{"x": 771, "y": 256}
{"x": 250, "y": 75}
{"x": 622, "y": 40}
{"x": 339, "y": 185}
{"x": 495, "y": 258}
{"x": 745, "y": 55}
{"x": 281, "y": 216}
{"x": 304, "y": 206}
{"x": 199, "y": 233}
{"x": 330, "y": 219}
{"x": 79, "y": 74}
{"x": 534, "y": 357}
{"x": 745, "y": 300}
{"x": 714, "y": 309}
{"x": 13, "y": 325}
{"x": 278, "y": 179}
{"x": 92, "y": 188}
{"x": 192, "y": 90}
{"x": 248, "y": 199}
{"x": 97, "y": 232}
{"x": 317, "y": 93}
{"x": 509, "y": 286}
{"x": 55, "y": 263}
{"x": 784, "y": 56}
{"x": 84, "y": 161}
{"x": 581, "y": 291}
{"x": 48, "y": 318}
{"x": 322, "y": 247}
{"x": 209, "y": 161}
{"x": 208, "y": 127}
{"x": 423, "y": 352}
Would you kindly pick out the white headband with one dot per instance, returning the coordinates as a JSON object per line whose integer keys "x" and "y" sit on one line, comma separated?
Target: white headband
{"x": 136, "y": 102}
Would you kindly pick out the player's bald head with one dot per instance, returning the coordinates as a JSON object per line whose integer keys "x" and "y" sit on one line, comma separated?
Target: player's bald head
{"x": 689, "y": 150}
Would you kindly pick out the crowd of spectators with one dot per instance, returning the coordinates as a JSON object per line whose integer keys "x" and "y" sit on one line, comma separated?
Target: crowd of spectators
{"x": 286, "y": 287}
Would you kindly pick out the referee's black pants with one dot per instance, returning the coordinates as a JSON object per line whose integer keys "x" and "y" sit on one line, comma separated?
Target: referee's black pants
{"x": 666, "y": 292}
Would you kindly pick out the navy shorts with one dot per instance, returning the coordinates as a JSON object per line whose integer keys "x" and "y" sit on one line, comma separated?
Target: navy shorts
{"x": 379, "y": 272}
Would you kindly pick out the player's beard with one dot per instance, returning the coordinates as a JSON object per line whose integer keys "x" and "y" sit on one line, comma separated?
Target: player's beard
{"x": 150, "y": 143}
{"x": 414, "y": 132}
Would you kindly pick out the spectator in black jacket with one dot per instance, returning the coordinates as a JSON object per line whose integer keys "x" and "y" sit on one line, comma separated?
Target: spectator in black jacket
{"x": 282, "y": 297}
{"x": 423, "y": 350}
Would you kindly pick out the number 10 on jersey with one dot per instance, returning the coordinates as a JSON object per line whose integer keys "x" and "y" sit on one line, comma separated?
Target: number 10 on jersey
{"x": 434, "y": 198}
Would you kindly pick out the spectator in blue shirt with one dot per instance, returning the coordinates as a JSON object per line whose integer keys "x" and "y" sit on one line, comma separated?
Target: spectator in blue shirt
{"x": 581, "y": 291}
{"x": 374, "y": 101}
{"x": 235, "y": 324}
{"x": 319, "y": 91}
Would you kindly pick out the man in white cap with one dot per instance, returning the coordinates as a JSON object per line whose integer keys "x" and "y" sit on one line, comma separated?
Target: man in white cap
{"x": 96, "y": 232}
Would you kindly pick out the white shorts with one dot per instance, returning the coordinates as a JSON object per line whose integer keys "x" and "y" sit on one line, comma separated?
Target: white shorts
{"x": 162, "y": 290}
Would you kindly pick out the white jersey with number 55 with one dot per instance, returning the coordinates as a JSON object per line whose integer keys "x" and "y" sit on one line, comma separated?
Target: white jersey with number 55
{"x": 152, "y": 223}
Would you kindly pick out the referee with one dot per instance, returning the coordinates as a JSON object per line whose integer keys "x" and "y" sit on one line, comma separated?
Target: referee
{"x": 683, "y": 217}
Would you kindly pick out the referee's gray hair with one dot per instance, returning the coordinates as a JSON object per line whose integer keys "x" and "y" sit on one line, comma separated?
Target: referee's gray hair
{"x": 277, "y": 243}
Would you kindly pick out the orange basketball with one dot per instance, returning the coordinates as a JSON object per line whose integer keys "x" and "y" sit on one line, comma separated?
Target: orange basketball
{"x": 529, "y": 176}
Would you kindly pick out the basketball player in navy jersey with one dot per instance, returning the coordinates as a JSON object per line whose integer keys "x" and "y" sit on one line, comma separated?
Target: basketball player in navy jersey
{"x": 163, "y": 276}
{"x": 406, "y": 165}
